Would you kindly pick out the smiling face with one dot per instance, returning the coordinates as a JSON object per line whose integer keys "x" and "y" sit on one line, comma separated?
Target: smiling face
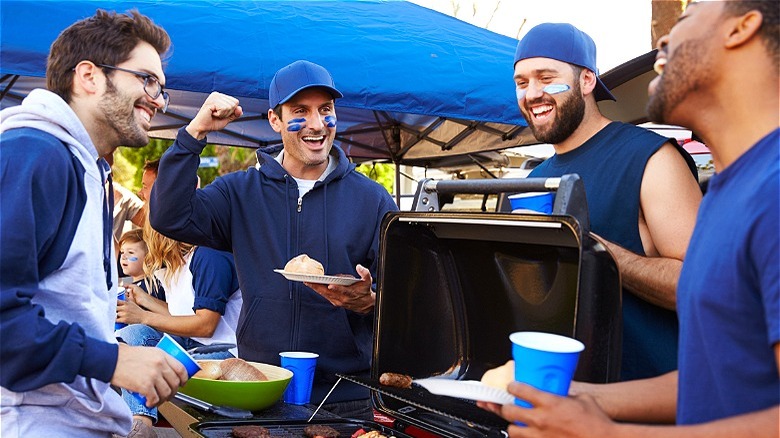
{"x": 131, "y": 257}
{"x": 549, "y": 97}
{"x": 687, "y": 65}
{"x": 125, "y": 110}
{"x": 308, "y": 128}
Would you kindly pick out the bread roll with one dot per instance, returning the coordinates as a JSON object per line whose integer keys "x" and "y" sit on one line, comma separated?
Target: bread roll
{"x": 501, "y": 376}
{"x": 303, "y": 264}
{"x": 209, "y": 370}
{"x": 238, "y": 370}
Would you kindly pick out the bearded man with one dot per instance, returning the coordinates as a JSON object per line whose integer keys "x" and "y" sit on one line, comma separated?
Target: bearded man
{"x": 641, "y": 188}
{"x": 58, "y": 277}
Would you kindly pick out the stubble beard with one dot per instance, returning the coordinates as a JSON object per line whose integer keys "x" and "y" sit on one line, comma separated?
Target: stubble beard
{"x": 568, "y": 116}
{"x": 684, "y": 75}
{"x": 120, "y": 119}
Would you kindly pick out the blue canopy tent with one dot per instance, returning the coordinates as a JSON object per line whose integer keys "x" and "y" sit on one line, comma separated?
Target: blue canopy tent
{"x": 419, "y": 86}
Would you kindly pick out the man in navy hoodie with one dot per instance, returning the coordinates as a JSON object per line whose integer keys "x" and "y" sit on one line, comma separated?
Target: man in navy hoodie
{"x": 308, "y": 199}
{"x": 58, "y": 279}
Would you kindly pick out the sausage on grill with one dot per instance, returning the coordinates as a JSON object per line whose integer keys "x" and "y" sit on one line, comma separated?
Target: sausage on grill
{"x": 396, "y": 380}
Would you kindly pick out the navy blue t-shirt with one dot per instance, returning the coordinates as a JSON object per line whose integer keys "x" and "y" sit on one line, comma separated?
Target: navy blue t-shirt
{"x": 611, "y": 165}
{"x": 158, "y": 292}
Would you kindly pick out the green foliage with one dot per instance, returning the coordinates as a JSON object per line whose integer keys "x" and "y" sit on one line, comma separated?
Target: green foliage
{"x": 208, "y": 174}
{"x": 382, "y": 173}
{"x": 129, "y": 162}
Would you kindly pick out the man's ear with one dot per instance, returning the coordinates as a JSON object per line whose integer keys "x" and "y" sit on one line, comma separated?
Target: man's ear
{"x": 744, "y": 28}
{"x": 274, "y": 120}
{"x": 587, "y": 81}
{"x": 86, "y": 78}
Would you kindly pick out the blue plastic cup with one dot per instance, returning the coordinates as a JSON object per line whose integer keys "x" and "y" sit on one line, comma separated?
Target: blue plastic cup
{"x": 170, "y": 346}
{"x": 544, "y": 361}
{"x": 541, "y": 202}
{"x": 120, "y": 295}
{"x": 302, "y": 365}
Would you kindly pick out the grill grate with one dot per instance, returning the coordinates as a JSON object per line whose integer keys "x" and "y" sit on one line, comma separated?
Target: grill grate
{"x": 293, "y": 429}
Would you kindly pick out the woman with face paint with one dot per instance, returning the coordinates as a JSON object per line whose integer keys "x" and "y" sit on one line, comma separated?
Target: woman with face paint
{"x": 307, "y": 199}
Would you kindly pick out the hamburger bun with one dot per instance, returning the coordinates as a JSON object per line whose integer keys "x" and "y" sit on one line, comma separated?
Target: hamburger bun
{"x": 501, "y": 376}
{"x": 303, "y": 264}
{"x": 209, "y": 370}
{"x": 239, "y": 370}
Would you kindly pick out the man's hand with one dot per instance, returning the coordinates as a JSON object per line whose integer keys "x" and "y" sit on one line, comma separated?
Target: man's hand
{"x": 552, "y": 415}
{"x": 356, "y": 297}
{"x": 149, "y": 371}
{"x": 217, "y": 111}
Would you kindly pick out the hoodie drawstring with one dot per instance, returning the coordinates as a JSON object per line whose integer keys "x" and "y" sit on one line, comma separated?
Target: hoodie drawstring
{"x": 290, "y": 227}
{"x": 108, "y": 220}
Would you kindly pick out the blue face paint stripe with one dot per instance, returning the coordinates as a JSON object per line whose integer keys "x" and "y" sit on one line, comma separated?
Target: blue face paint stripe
{"x": 550, "y": 89}
{"x": 330, "y": 121}
{"x": 132, "y": 259}
{"x": 296, "y": 125}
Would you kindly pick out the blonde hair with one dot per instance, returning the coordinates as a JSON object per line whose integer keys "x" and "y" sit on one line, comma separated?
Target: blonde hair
{"x": 164, "y": 252}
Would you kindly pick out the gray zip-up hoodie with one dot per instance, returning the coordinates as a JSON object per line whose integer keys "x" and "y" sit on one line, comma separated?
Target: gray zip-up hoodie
{"x": 57, "y": 315}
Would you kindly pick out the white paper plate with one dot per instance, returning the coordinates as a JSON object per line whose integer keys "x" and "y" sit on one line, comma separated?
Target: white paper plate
{"x": 320, "y": 279}
{"x": 468, "y": 389}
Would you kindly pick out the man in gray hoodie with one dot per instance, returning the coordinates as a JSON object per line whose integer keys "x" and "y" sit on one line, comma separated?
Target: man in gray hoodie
{"x": 58, "y": 281}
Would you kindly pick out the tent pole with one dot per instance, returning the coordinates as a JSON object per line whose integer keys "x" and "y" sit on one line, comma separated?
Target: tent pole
{"x": 397, "y": 185}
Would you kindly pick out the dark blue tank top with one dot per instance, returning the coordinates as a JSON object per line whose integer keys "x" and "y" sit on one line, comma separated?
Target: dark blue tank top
{"x": 611, "y": 165}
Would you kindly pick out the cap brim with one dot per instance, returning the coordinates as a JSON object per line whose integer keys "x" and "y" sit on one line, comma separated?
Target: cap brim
{"x": 601, "y": 92}
{"x": 333, "y": 92}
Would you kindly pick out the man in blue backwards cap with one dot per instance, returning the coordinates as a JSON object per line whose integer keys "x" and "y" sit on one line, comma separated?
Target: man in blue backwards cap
{"x": 641, "y": 188}
{"x": 307, "y": 200}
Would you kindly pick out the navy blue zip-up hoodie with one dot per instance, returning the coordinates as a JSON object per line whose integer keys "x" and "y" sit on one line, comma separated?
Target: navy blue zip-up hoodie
{"x": 256, "y": 215}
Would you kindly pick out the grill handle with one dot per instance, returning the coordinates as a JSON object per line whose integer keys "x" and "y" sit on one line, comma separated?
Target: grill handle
{"x": 569, "y": 199}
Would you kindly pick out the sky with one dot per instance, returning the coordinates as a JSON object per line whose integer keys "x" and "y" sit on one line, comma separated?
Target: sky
{"x": 617, "y": 41}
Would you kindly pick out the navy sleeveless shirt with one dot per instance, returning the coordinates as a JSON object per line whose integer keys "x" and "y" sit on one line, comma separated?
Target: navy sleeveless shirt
{"x": 611, "y": 165}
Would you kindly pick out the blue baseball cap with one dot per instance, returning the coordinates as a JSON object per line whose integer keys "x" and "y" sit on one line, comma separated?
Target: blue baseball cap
{"x": 565, "y": 43}
{"x": 299, "y": 75}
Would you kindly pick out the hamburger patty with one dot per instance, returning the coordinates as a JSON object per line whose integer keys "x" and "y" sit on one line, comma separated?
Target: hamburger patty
{"x": 320, "y": 430}
{"x": 250, "y": 432}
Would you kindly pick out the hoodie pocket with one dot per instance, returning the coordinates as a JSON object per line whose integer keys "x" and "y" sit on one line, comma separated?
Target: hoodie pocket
{"x": 266, "y": 329}
{"x": 323, "y": 326}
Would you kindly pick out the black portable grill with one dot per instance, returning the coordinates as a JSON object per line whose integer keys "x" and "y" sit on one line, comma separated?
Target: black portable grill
{"x": 452, "y": 286}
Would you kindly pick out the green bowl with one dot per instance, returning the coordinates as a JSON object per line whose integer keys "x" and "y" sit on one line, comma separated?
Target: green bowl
{"x": 252, "y": 396}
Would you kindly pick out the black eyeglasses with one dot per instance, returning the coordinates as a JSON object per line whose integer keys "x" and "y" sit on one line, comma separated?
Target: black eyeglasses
{"x": 152, "y": 85}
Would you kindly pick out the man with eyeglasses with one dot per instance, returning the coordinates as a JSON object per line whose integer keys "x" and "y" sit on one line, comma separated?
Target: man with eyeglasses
{"x": 58, "y": 279}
